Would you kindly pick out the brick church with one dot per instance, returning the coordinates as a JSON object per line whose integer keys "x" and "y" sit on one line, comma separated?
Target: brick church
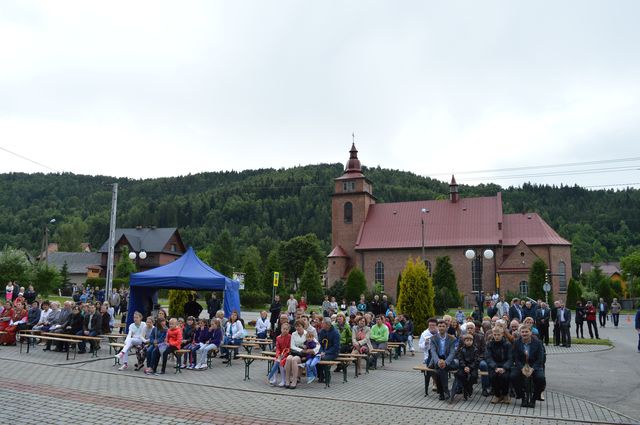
{"x": 380, "y": 238}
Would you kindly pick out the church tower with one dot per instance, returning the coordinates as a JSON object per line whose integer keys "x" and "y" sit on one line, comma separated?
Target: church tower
{"x": 351, "y": 199}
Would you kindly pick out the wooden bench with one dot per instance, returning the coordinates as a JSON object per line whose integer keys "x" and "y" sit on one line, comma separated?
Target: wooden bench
{"x": 249, "y": 346}
{"x": 250, "y": 358}
{"x": 376, "y": 351}
{"x": 93, "y": 340}
{"x": 117, "y": 347}
{"x": 262, "y": 342}
{"x": 356, "y": 357}
{"x": 326, "y": 364}
{"x": 229, "y": 349}
{"x": 398, "y": 347}
{"x": 61, "y": 338}
{"x": 426, "y": 371}
{"x": 113, "y": 338}
{"x": 211, "y": 354}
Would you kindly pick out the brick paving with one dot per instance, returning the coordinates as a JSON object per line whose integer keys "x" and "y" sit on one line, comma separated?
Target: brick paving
{"x": 99, "y": 393}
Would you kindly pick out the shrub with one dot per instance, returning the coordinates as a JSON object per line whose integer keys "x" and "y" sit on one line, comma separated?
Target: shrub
{"x": 177, "y": 299}
{"x": 356, "y": 285}
{"x": 310, "y": 282}
{"x": 416, "y": 294}
{"x": 337, "y": 290}
{"x": 254, "y": 299}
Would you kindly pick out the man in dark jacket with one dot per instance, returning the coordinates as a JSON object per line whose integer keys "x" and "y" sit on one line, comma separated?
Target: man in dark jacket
{"x": 192, "y": 307}
{"x": 638, "y": 326}
{"x": 329, "y": 339}
{"x": 543, "y": 315}
{"x": 90, "y": 327}
{"x": 275, "y": 312}
{"x": 528, "y": 351}
{"x": 480, "y": 343}
{"x": 515, "y": 312}
{"x": 213, "y": 305}
{"x": 564, "y": 321}
{"x": 499, "y": 361}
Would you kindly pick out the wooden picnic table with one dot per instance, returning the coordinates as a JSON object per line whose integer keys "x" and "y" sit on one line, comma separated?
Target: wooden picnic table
{"x": 59, "y": 338}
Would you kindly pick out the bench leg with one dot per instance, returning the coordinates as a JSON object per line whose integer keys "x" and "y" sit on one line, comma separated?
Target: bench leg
{"x": 247, "y": 365}
{"x": 344, "y": 372}
{"x": 426, "y": 383}
{"x": 327, "y": 376}
{"x": 269, "y": 366}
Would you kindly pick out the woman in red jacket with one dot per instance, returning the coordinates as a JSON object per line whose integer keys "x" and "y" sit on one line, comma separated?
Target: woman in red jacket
{"x": 590, "y": 310}
{"x": 174, "y": 340}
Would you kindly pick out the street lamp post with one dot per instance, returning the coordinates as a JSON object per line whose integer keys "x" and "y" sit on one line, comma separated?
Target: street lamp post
{"x": 45, "y": 251}
{"x": 471, "y": 255}
{"x": 133, "y": 256}
{"x": 424, "y": 211}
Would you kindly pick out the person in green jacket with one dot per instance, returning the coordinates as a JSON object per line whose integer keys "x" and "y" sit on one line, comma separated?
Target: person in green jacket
{"x": 379, "y": 337}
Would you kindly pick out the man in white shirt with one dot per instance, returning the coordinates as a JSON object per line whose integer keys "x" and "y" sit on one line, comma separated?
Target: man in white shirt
{"x": 262, "y": 325}
{"x": 425, "y": 338}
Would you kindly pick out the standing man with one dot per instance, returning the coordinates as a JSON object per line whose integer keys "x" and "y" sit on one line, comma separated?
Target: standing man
{"x": 213, "y": 305}
{"x": 275, "y": 311}
{"x": 556, "y": 325}
{"x": 590, "y": 312}
{"x": 515, "y": 312}
{"x": 603, "y": 308}
{"x": 480, "y": 302}
{"x": 503, "y": 307}
{"x": 615, "y": 312}
{"x": 292, "y": 305}
{"x": 114, "y": 301}
{"x": 543, "y": 314}
{"x": 374, "y": 305}
{"x": 564, "y": 320}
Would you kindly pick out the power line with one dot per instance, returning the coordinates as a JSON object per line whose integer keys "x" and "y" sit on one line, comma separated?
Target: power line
{"x": 534, "y": 167}
{"x": 560, "y": 173}
{"x": 28, "y": 159}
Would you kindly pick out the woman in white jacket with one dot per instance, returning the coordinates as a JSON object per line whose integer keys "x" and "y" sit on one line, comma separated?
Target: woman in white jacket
{"x": 233, "y": 334}
{"x": 137, "y": 332}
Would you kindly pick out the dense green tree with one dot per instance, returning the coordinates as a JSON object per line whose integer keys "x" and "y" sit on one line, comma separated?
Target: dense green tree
{"x": 337, "y": 290}
{"x": 445, "y": 287}
{"x": 416, "y": 297}
{"x": 224, "y": 253}
{"x": 14, "y": 266}
{"x": 125, "y": 266}
{"x": 69, "y": 235}
{"x": 574, "y": 293}
{"x": 295, "y": 252}
{"x": 64, "y": 275}
{"x": 251, "y": 268}
{"x": 273, "y": 265}
{"x": 605, "y": 291}
{"x": 356, "y": 285}
{"x": 537, "y": 279}
{"x": 310, "y": 282}
{"x": 630, "y": 265}
{"x": 177, "y": 299}
{"x": 46, "y": 279}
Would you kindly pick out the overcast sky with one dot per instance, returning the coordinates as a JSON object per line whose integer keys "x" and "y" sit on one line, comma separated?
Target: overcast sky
{"x": 148, "y": 89}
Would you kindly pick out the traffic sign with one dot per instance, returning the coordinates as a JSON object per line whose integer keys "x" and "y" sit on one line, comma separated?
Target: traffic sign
{"x": 276, "y": 278}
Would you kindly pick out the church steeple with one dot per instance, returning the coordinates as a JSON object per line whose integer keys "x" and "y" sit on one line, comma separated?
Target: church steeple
{"x": 454, "y": 196}
{"x": 353, "y": 165}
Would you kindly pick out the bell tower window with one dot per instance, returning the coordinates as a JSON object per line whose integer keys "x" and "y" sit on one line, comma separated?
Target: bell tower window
{"x": 349, "y": 186}
{"x": 348, "y": 212}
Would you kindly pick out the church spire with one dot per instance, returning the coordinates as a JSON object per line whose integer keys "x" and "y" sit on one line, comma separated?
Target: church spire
{"x": 454, "y": 196}
{"x": 353, "y": 165}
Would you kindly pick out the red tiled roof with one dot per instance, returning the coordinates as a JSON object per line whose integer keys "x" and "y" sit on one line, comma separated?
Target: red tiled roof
{"x": 468, "y": 222}
{"x": 338, "y": 252}
{"x": 531, "y": 229}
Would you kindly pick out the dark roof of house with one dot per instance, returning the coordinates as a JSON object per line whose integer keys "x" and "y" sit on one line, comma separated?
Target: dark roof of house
{"x": 77, "y": 262}
{"x": 608, "y": 269}
{"x": 467, "y": 222}
{"x": 143, "y": 239}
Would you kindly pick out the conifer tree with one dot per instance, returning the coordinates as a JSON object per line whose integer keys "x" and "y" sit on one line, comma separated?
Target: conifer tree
{"x": 574, "y": 293}
{"x": 416, "y": 294}
{"x": 310, "y": 282}
{"x": 445, "y": 287}
{"x": 536, "y": 279}
{"x": 356, "y": 285}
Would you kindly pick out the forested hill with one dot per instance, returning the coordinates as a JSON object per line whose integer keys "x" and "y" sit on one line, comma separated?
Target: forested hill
{"x": 262, "y": 207}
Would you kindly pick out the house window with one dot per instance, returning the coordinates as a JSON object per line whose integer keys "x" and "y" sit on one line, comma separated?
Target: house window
{"x": 476, "y": 274}
{"x": 562, "y": 271}
{"x": 348, "y": 212}
{"x": 524, "y": 288}
{"x": 173, "y": 247}
{"x": 349, "y": 186}
{"x": 379, "y": 273}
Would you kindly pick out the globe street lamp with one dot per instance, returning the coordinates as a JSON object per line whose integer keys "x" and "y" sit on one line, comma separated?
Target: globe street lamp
{"x": 476, "y": 272}
{"x": 45, "y": 252}
{"x": 141, "y": 255}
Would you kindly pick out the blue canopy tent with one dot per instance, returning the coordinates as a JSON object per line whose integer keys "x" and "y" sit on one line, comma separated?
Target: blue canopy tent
{"x": 187, "y": 272}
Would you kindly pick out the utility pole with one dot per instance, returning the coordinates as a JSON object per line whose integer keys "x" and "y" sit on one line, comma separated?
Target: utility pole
{"x": 112, "y": 241}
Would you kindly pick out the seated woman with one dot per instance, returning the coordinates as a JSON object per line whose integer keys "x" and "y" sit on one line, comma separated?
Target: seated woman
{"x": 18, "y": 319}
{"x": 283, "y": 347}
{"x": 5, "y": 316}
{"x": 141, "y": 350}
{"x": 213, "y": 341}
{"x": 528, "y": 357}
{"x": 499, "y": 359}
{"x": 360, "y": 339}
{"x": 298, "y": 339}
{"x": 233, "y": 334}
{"x": 134, "y": 338}
{"x": 157, "y": 337}
{"x": 262, "y": 325}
